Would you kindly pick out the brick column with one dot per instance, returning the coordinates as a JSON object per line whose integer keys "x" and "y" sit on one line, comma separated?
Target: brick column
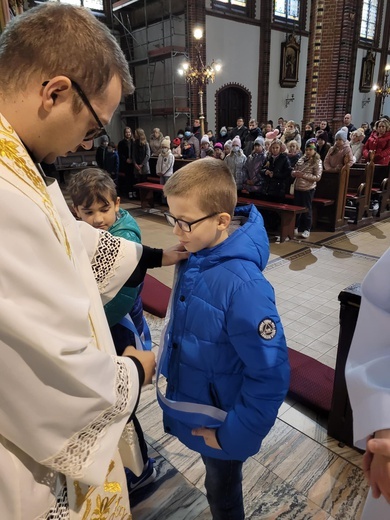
{"x": 334, "y": 33}
{"x": 264, "y": 60}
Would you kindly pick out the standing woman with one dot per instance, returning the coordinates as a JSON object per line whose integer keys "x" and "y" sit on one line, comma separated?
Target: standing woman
{"x": 379, "y": 141}
{"x": 141, "y": 155}
{"x": 126, "y": 166}
{"x": 307, "y": 173}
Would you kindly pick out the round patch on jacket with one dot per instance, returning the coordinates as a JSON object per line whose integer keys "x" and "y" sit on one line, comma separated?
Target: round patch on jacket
{"x": 267, "y": 329}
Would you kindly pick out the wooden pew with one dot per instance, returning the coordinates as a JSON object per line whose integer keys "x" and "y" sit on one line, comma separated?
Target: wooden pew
{"x": 358, "y": 199}
{"x": 317, "y": 204}
{"x": 146, "y": 193}
{"x": 332, "y": 186}
{"x": 380, "y": 190}
{"x": 287, "y": 213}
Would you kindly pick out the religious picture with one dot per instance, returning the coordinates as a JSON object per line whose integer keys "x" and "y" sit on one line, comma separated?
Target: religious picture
{"x": 367, "y": 73}
{"x": 289, "y": 64}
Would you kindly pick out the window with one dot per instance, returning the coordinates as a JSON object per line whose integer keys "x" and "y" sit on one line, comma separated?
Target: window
{"x": 94, "y": 5}
{"x": 369, "y": 18}
{"x": 287, "y": 10}
{"x": 233, "y": 6}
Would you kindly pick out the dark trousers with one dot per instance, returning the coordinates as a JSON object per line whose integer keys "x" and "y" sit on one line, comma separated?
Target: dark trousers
{"x": 304, "y": 198}
{"x": 224, "y": 488}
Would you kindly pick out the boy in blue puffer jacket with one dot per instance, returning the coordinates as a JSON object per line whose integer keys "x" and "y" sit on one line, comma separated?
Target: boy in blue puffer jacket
{"x": 224, "y": 351}
{"x": 95, "y": 201}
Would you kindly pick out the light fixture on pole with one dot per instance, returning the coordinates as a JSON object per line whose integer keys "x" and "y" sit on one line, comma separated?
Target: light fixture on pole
{"x": 200, "y": 74}
{"x": 384, "y": 90}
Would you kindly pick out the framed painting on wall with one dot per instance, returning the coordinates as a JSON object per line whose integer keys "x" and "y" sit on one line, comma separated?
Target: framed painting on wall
{"x": 367, "y": 73}
{"x": 289, "y": 63}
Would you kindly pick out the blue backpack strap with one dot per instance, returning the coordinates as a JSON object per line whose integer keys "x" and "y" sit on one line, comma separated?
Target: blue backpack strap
{"x": 143, "y": 342}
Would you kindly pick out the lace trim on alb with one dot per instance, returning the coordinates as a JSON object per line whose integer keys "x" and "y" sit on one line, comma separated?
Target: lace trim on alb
{"x": 107, "y": 254}
{"x": 75, "y": 455}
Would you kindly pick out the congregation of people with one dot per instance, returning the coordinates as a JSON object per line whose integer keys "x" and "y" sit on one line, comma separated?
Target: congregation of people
{"x": 264, "y": 160}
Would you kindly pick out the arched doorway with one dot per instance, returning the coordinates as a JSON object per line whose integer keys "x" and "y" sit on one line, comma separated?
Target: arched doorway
{"x": 232, "y": 101}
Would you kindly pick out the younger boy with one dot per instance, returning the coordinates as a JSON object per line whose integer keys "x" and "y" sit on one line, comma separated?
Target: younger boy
{"x": 95, "y": 201}
{"x": 225, "y": 346}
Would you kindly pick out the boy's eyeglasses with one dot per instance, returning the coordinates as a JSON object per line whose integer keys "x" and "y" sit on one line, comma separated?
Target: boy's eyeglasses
{"x": 95, "y": 132}
{"x": 183, "y": 224}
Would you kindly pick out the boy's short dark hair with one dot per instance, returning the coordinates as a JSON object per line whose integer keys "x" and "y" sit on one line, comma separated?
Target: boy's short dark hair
{"x": 210, "y": 180}
{"x": 91, "y": 185}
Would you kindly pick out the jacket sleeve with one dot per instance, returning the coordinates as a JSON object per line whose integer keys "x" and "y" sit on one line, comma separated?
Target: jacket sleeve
{"x": 327, "y": 164}
{"x": 54, "y": 381}
{"x": 257, "y": 336}
{"x": 147, "y": 156}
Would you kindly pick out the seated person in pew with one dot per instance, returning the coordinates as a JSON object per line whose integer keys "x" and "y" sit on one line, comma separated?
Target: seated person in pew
{"x": 224, "y": 351}
{"x": 334, "y": 160}
{"x": 307, "y": 173}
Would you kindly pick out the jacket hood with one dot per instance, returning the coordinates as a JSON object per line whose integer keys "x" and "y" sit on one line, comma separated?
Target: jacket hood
{"x": 248, "y": 241}
{"x": 124, "y": 225}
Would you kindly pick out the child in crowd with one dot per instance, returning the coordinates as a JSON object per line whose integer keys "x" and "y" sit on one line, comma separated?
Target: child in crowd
{"x": 165, "y": 162}
{"x": 293, "y": 152}
{"x": 224, "y": 352}
{"x": 95, "y": 201}
{"x": 307, "y": 173}
{"x": 253, "y": 166}
{"x": 235, "y": 162}
{"x": 188, "y": 150}
{"x": 227, "y": 147}
{"x": 218, "y": 151}
{"x": 111, "y": 162}
{"x": 176, "y": 149}
{"x": 204, "y": 146}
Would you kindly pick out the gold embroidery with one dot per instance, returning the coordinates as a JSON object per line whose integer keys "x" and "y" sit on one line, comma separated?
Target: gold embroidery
{"x": 11, "y": 150}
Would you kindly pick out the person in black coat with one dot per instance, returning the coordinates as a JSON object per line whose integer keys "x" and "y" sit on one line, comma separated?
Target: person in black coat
{"x": 126, "y": 178}
{"x": 241, "y": 130}
{"x": 101, "y": 151}
{"x": 253, "y": 133}
{"x": 275, "y": 174}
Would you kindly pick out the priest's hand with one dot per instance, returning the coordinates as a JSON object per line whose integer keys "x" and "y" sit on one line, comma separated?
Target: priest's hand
{"x": 147, "y": 360}
{"x": 174, "y": 255}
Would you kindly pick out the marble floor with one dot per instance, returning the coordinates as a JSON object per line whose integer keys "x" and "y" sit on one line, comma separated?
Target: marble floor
{"x": 300, "y": 473}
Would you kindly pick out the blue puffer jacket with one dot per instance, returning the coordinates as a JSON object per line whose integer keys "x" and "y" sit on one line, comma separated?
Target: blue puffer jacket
{"x": 125, "y": 227}
{"x": 227, "y": 346}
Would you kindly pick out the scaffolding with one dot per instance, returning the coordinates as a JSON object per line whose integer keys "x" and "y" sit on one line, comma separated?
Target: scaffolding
{"x": 155, "y": 50}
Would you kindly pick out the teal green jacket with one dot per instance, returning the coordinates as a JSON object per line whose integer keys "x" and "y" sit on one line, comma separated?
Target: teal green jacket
{"x": 125, "y": 227}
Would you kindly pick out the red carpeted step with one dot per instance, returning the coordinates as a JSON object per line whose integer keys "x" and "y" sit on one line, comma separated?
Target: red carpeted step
{"x": 155, "y": 296}
{"x": 311, "y": 381}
